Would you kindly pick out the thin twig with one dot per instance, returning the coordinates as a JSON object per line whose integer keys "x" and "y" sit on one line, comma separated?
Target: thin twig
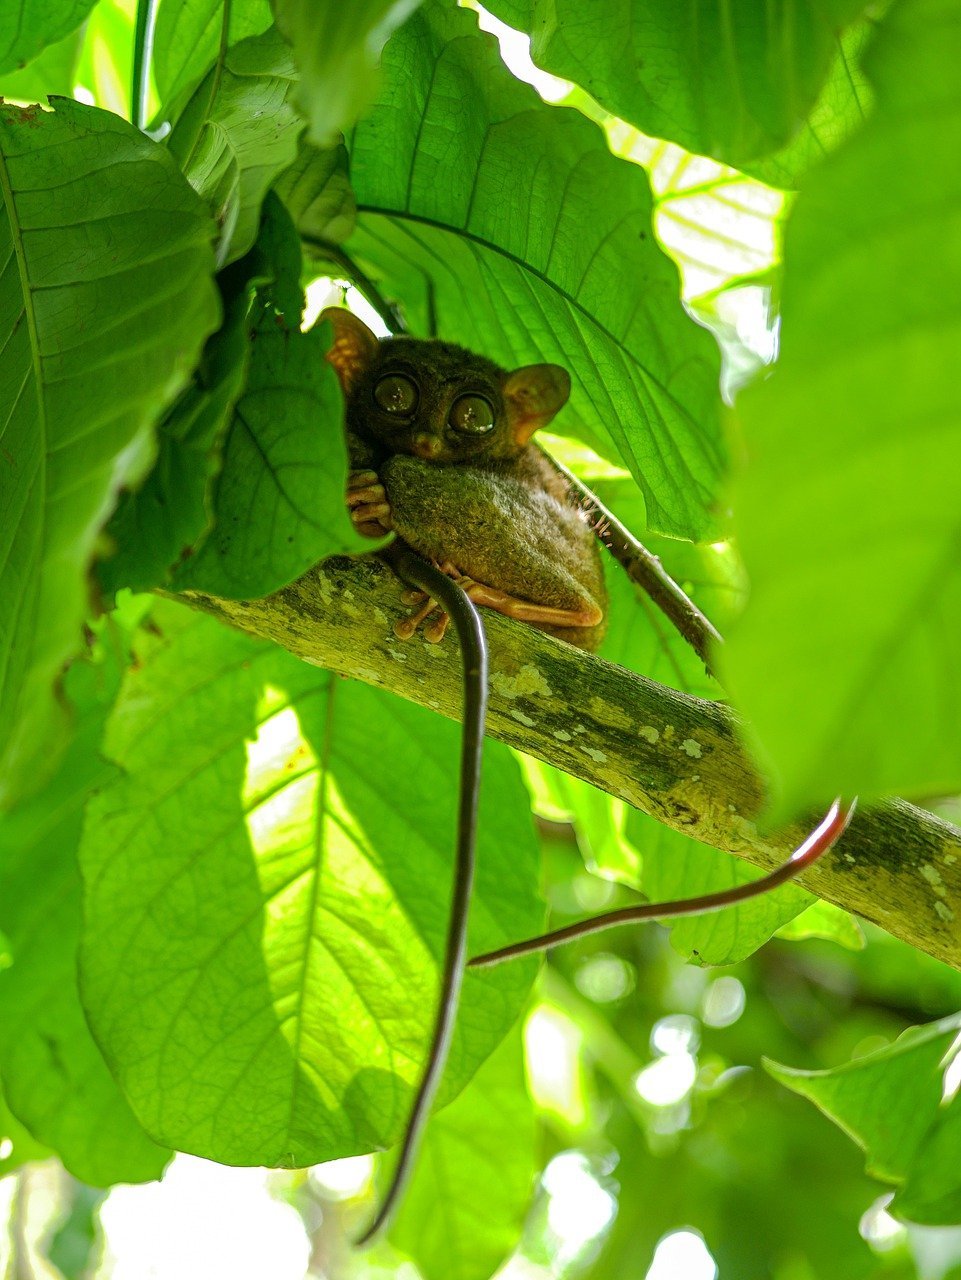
{"x": 645, "y": 569}
{"x": 390, "y": 314}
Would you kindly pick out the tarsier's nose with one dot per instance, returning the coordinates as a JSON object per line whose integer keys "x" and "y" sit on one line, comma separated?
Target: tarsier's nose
{"x": 425, "y": 446}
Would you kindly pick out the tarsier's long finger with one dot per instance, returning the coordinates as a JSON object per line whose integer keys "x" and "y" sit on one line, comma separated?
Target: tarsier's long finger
{"x": 435, "y": 631}
{"x": 379, "y": 511}
{"x": 366, "y": 493}
{"x": 359, "y": 479}
{"x": 371, "y": 528}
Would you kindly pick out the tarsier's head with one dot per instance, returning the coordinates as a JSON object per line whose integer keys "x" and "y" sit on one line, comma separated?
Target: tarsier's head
{"x": 437, "y": 401}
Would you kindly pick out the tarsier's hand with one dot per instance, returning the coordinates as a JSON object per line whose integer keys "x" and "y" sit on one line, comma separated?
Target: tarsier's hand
{"x": 369, "y": 508}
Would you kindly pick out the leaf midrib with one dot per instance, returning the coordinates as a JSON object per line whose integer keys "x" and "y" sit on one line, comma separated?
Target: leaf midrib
{"x": 16, "y": 236}
{"x": 466, "y": 234}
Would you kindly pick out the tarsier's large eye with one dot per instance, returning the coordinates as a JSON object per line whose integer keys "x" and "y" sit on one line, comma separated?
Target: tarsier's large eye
{"x": 474, "y": 415}
{"x": 396, "y": 394}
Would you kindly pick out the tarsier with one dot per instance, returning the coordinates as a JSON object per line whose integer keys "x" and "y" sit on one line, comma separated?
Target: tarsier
{"x": 441, "y": 450}
{"x": 441, "y": 454}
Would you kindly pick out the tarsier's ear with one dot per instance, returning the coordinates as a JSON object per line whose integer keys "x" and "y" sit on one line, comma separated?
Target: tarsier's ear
{"x": 354, "y": 345}
{"x": 533, "y": 396}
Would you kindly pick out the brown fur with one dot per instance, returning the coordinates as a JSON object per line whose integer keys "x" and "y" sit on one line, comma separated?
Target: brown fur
{"x": 492, "y": 504}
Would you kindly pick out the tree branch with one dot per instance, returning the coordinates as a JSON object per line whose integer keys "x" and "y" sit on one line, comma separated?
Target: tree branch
{"x": 672, "y": 756}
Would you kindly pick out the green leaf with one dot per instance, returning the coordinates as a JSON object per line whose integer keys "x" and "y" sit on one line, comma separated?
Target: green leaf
{"x": 105, "y": 299}
{"x": 512, "y": 222}
{"x": 159, "y": 525}
{"x": 276, "y": 262}
{"x": 54, "y": 1077}
{"x": 464, "y": 1208}
{"x": 676, "y": 866}
{"x": 336, "y": 47}
{"x": 236, "y": 133}
{"x": 27, "y": 26}
{"x": 279, "y": 500}
{"x": 846, "y": 659}
{"x": 187, "y": 38}
{"x": 887, "y": 1101}
{"x": 266, "y": 907}
{"x": 843, "y": 106}
{"x": 155, "y": 526}
{"x": 825, "y": 920}
{"x": 932, "y": 1191}
{"x": 734, "y": 81}
{"x": 317, "y": 191}
{"x": 52, "y": 71}
{"x": 597, "y": 817}
{"x": 23, "y": 1147}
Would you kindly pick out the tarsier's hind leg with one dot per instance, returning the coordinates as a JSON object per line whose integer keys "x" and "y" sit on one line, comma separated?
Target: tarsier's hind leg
{"x": 525, "y": 610}
{"x": 492, "y": 598}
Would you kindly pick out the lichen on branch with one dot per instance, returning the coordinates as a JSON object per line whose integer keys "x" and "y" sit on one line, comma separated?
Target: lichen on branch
{"x": 677, "y": 758}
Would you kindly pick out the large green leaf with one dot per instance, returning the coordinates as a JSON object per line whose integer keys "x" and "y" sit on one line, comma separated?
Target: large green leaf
{"x": 17, "y": 1146}
{"x": 513, "y": 224}
{"x": 105, "y": 68}
{"x": 105, "y": 299}
{"x": 188, "y": 36}
{"x": 279, "y": 500}
{"x": 336, "y": 47}
{"x": 675, "y": 866}
{"x": 54, "y": 1077}
{"x": 888, "y": 1100}
{"x": 731, "y": 80}
{"x": 462, "y": 1213}
{"x": 156, "y": 527}
{"x": 932, "y": 1190}
{"x": 52, "y": 71}
{"x": 27, "y": 26}
{"x": 237, "y": 131}
{"x": 317, "y": 191}
{"x": 846, "y": 659}
{"x": 844, "y": 104}
{"x": 825, "y": 920}
{"x": 266, "y": 902}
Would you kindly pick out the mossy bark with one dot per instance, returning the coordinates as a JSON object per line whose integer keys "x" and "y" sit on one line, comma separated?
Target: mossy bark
{"x": 679, "y": 759}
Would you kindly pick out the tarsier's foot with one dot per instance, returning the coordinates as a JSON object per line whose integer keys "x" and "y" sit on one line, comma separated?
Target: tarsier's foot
{"x": 425, "y": 606}
{"x": 367, "y": 500}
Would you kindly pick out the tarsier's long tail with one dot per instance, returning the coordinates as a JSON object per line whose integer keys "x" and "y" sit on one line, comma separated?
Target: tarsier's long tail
{"x": 470, "y": 630}
{"x": 473, "y": 642}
